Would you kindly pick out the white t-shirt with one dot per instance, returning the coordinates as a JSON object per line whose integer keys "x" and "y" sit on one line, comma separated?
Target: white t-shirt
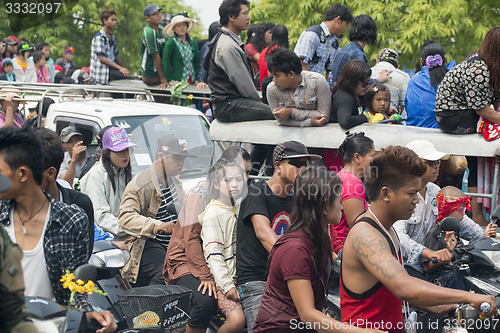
{"x": 36, "y": 275}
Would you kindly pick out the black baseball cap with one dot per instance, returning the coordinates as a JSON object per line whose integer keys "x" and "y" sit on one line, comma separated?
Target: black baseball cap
{"x": 292, "y": 149}
{"x": 150, "y": 9}
{"x": 172, "y": 144}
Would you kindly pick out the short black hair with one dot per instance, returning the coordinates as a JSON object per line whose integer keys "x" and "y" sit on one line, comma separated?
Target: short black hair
{"x": 284, "y": 60}
{"x": 363, "y": 28}
{"x": 40, "y": 45}
{"x": 53, "y": 153}
{"x": 213, "y": 29}
{"x": 230, "y": 8}
{"x": 338, "y": 10}
{"x": 37, "y": 56}
{"x": 106, "y": 14}
{"x": 59, "y": 77}
{"x": 21, "y": 147}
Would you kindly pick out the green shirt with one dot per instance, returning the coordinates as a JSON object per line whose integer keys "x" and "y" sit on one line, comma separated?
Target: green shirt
{"x": 152, "y": 42}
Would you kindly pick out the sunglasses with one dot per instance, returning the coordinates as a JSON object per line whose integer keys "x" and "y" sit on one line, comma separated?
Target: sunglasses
{"x": 298, "y": 163}
{"x": 433, "y": 164}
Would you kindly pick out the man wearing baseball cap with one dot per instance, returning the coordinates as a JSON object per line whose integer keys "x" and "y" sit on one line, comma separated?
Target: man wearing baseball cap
{"x": 264, "y": 218}
{"x": 11, "y": 47}
{"x": 143, "y": 212}
{"x": 76, "y": 155}
{"x": 412, "y": 232}
{"x": 152, "y": 48}
{"x": 388, "y": 59}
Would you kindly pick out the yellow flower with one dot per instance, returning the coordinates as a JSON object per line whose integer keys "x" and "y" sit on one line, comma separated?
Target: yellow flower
{"x": 190, "y": 96}
{"x": 90, "y": 284}
{"x": 80, "y": 282}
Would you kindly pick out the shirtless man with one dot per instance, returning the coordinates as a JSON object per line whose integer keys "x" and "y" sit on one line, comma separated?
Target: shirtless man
{"x": 374, "y": 282}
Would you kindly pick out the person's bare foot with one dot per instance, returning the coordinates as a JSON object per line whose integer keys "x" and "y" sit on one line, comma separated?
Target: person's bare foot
{"x": 318, "y": 121}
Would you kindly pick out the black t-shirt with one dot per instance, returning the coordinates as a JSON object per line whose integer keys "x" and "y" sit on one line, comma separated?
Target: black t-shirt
{"x": 251, "y": 256}
{"x": 347, "y": 109}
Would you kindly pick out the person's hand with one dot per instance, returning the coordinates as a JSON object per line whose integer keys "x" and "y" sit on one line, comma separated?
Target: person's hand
{"x": 392, "y": 110}
{"x": 124, "y": 71}
{"x": 233, "y": 294}
{"x": 78, "y": 153}
{"x": 282, "y": 113}
{"x": 384, "y": 76}
{"x": 334, "y": 257}
{"x": 209, "y": 286}
{"x": 443, "y": 256}
{"x": 105, "y": 318}
{"x": 490, "y": 231}
{"x": 477, "y": 299}
{"x": 201, "y": 85}
{"x": 450, "y": 240}
{"x": 173, "y": 83}
{"x": 163, "y": 84}
{"x": 318, "y": 120}
{"x": 167, "y": 227}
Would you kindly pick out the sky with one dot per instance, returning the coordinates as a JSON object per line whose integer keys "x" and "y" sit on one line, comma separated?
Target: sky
{"x": 208, "y": 11}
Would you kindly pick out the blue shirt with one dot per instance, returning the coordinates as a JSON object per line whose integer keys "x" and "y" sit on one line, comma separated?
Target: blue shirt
{"x": 349, "y": 52}
{"x": 309, "y": 44}
{"x": 203, "y": 76}
{"x": 420, "y": 99}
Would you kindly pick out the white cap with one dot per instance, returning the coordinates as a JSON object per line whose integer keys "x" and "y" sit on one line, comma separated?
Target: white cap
{"x": 426, "y": 150}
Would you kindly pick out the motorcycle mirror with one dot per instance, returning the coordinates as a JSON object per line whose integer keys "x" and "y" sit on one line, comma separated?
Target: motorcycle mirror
{"x": 86, "y": 272}
{"x": 450, "y": 224}
{"x": 174, "y": 208}
{"x": 496, "y": 214}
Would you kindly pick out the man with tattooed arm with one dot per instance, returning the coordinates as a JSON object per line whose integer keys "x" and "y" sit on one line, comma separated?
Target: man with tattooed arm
{"x": 374, "y": 284}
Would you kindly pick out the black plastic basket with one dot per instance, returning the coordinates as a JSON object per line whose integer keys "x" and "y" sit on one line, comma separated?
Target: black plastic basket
{"x": 159, "y": 308}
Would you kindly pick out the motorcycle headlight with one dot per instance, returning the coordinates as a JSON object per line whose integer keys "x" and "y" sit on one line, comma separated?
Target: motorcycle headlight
{"x": 50, "y": 325}
{"x": 114, "y": 258}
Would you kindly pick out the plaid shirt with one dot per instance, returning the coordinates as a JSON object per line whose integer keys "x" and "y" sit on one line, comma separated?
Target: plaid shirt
{"x": 310, "y": 44}
{"x": 102, "y": 45}
{"x": 65, "y": 245}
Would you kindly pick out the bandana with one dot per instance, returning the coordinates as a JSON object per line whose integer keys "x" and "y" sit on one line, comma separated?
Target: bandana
{"x": 447, "y": 204}
{"x": 69, "y": 49}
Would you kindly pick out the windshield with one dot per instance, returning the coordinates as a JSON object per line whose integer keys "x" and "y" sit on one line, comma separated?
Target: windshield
{"x": 145, "y": 131}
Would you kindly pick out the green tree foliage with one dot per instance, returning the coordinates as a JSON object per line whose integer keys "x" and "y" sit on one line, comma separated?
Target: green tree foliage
{"x": 78, "y": 26}
{"x": 458, "y": 25}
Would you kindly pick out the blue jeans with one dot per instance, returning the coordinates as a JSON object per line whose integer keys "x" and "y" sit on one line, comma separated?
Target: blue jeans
{"x": 251, "y": 295}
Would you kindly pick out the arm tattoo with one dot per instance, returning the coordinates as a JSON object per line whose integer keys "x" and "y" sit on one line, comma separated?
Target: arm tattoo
{"x": 371, "y": 246}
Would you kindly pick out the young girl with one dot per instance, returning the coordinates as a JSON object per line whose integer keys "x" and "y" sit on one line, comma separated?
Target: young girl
{"x": 105, "y": 182}
{"x": 301, "y": 260}
{"x": 218, "y": 233}
{"x": 41, "y": 68}
{"x": 377, "y": 102}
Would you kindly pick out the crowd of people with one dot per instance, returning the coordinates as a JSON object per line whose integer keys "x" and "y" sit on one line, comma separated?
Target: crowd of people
{"x": 260, "y": 252}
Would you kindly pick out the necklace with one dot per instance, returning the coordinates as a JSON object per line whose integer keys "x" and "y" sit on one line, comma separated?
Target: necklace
{"x": 32, "y": 216}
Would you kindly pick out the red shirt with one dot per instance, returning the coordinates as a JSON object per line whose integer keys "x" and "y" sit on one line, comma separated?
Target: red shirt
{"x": 263, "y": 71}
{"x": 377, "y": 307}
{"x": 291, "y": 258}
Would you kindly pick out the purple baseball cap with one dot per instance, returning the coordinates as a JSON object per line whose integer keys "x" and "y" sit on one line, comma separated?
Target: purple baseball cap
{"x": 116, "y": 139}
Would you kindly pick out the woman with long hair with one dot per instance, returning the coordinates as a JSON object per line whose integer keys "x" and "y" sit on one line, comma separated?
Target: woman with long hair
{"x": 353, "y": 82}
{"x": 301, "y": 261}
{"x": 420, "y": 96}
{"x": 357, "y": 151}
{"x": 279, "y": 40}
{"x": 259, "y": 36}
{"x": 468, "y": 90}
{"x": 181, "y": 56}
{"x": 105, "y": 182}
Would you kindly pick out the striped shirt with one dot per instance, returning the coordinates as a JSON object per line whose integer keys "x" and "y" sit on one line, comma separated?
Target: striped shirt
{"x": 168, "y": 195}
{"x": 152, "y": 42}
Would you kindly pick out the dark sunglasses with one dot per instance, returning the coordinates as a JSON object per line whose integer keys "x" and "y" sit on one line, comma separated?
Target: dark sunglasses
{"x": 433, "y": 164}
{"x": 298, "y": 163}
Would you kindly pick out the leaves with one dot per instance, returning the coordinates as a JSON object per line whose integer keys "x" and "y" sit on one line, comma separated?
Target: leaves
{"x": 459, "y": 25}
{"x": 78, "y": 26}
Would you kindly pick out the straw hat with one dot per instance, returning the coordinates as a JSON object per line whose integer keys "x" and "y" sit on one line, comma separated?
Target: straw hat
{"x": 168, "y": 31}
{"x": 8, "y": 91}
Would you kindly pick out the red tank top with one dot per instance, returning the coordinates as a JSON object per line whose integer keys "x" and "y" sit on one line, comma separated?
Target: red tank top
{"x": 377, "y": 307}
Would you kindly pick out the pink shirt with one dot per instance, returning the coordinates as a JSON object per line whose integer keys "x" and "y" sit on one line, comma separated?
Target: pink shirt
{"x": 352, "y": 187}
